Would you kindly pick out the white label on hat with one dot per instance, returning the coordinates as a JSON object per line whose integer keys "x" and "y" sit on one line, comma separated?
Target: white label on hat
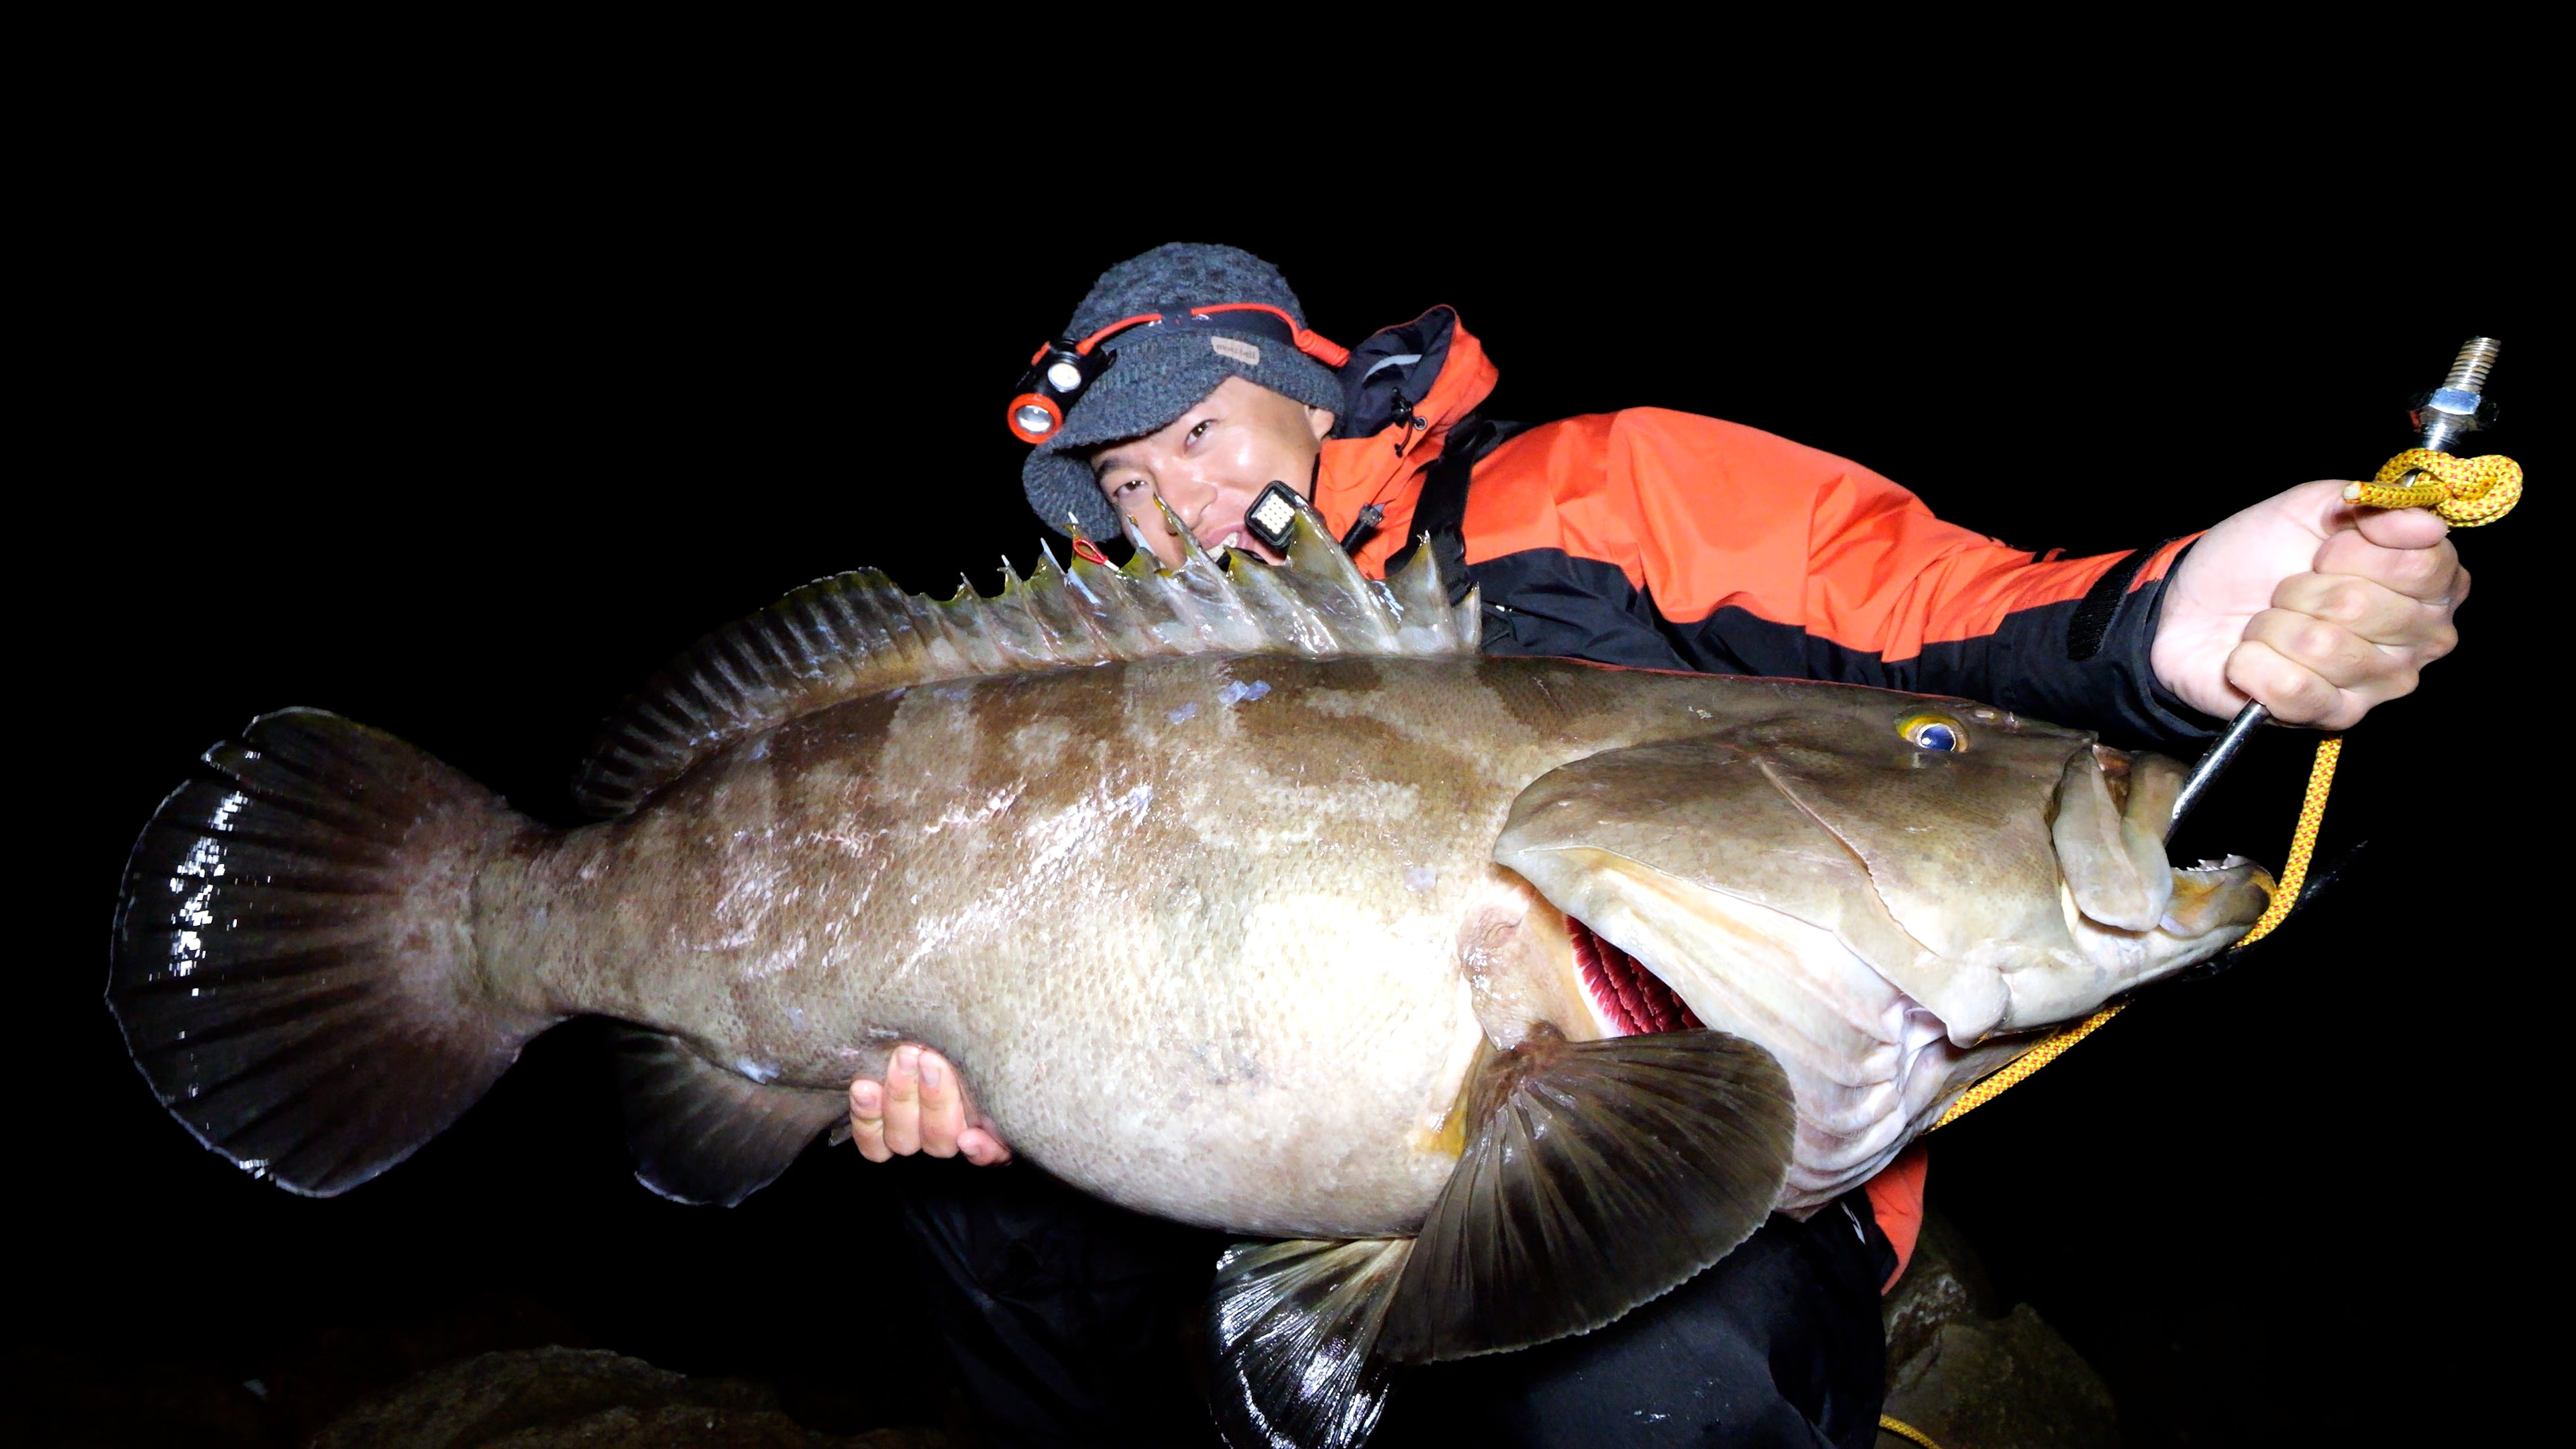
{"x": 1243, "y": 352}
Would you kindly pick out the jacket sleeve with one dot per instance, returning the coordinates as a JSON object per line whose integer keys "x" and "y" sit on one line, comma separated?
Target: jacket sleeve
{"x": 1753, "y": 554}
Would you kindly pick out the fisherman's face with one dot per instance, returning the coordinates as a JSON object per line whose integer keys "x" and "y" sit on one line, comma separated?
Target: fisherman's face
{"x": 1210, "y": 464}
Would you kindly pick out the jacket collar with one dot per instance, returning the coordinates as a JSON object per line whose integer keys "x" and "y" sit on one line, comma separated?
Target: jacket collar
{"x": 1406, "y": 387}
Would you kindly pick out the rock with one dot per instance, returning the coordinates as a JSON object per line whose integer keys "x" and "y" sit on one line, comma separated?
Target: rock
{"x": 367, "y": 1354}
{"x": 2003, "y": 1384}
{"x": 1945, "y": 1282}
{"x": 569, "y": 1398}
{"x": 1974, "y": 1378}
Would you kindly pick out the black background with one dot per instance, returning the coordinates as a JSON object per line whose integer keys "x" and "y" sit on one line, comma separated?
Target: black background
{"x": 461, "y": 440}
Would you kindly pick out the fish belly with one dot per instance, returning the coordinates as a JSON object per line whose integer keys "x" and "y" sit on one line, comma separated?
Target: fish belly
{"x": 1183, "y": 970}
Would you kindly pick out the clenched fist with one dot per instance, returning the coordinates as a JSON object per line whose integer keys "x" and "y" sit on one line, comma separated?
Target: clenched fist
{"x": 2316, "y": 607}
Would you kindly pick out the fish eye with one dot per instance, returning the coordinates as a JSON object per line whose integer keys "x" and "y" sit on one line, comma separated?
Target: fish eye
{"x": 1937, "y": 733}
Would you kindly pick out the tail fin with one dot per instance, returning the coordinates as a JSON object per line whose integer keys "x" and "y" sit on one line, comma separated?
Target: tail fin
{"x": 294, "y": 964}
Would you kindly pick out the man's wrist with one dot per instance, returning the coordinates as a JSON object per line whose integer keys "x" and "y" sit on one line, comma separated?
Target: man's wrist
{"x": 2174, "y": 716}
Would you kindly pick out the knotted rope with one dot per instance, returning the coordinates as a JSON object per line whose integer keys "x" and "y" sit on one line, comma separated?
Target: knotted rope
{"x": 2466, "y": 492}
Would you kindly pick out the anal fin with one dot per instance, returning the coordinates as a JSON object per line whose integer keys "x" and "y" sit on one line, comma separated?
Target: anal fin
{"x": 701, "y": 1134}
{"x": 1292, "y": 1326}
{"x": 1599, "y": 1175}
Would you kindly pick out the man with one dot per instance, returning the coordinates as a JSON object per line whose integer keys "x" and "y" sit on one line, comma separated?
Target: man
{"x": 1644, "y": 538}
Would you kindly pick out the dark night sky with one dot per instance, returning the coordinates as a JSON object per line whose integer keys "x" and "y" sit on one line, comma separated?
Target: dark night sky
{"x": 463, "y": 452}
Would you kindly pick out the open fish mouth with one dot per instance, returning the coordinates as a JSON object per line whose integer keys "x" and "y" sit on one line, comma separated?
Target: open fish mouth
{"x": 2214, "y": 895}
{"x": 1625, "y": 994}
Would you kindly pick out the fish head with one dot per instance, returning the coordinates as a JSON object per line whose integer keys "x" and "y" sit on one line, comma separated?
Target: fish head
{"x": 2003, "y": 872}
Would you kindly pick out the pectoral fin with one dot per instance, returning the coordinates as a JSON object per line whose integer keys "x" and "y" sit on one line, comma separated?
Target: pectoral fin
{"x": 1600, "y": 1174}
{"x": 702, "y": 1134}
{"x": 1292, "y": 1326}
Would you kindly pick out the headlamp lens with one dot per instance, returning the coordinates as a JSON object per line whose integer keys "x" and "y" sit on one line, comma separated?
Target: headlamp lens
{"x": 1034, "y": 419}
{"x": 1064, "y": 377}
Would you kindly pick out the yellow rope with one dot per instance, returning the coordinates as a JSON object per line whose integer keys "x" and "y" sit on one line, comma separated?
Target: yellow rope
{"x": 2466, "y": 492}
{"x": 2303, "y": 841}
{"x": 2047, "y": 1051}
{"x": 1904, "y": 1430}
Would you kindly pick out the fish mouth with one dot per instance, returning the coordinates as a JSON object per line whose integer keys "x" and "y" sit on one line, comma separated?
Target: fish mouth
{"x": 2111, "y": 815}
{"x": 1625, "y": 994}
{"x": 2214, "y": 896}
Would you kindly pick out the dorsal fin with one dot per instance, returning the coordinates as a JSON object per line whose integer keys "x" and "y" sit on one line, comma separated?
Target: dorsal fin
{"x": 857, "y": 634}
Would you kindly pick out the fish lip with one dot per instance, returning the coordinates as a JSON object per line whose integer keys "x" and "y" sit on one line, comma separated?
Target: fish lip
{"x": 2207, "y": 879}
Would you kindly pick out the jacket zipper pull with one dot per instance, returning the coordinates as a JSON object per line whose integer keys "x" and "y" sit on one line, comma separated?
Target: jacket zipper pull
{"x": 1410, "y": 421}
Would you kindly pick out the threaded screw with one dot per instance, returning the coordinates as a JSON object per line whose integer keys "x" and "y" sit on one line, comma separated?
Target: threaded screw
{"x": 2469, "y": 370}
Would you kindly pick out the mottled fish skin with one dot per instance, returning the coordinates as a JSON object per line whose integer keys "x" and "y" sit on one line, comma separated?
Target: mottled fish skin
{"x": 1220, "y": 937}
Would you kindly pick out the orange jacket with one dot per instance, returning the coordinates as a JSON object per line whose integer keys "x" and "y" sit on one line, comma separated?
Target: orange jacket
{"x": 1667, "y": 540}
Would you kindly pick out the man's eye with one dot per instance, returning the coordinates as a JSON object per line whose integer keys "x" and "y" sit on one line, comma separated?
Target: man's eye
{"x": 1127, "y": 486}
{"x": 1200, "y": 429}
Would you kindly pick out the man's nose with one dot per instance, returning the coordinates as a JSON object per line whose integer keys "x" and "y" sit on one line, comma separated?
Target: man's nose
{"x": 1187, "y": 492}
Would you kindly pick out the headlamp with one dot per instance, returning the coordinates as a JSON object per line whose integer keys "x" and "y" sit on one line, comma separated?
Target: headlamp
{"x": 1057, "y": 377}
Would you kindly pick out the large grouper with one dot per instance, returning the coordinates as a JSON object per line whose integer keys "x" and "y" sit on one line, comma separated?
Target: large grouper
{"x": 1487, "y": 997}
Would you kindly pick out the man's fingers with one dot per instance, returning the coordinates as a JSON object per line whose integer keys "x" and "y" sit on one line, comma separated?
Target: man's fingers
{"x": 943, "y": 1113}
{"x": 921, "y": 1106}
{"x": 903, "y": 1100}
{"x": 982, "y": 1148}
{"x": 2430, "y": 572}
{"x": 2345, "y": 659}
{"x": 867, "y": 1120}
{"x": 2371, "y": 610}
{"x": 2408, "y": 528}
{"x": 2292, "y": 692}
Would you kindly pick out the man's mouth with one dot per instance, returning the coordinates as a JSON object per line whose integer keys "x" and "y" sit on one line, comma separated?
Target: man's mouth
{"x": 1627, "y": 996}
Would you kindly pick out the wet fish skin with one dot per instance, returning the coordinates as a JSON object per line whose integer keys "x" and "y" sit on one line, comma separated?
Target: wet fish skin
{"x": 1203, "y": 933}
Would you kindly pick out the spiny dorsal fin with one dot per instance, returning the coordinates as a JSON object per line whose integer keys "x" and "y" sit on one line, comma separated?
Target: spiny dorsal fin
{"x": 857, "y": 634}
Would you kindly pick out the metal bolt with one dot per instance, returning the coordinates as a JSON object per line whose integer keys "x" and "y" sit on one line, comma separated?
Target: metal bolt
{"x": 2459, "y": 407}
{"x": 2469, "y": 370}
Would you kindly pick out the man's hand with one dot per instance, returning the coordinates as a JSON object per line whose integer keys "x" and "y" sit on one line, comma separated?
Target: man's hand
{"x": 2314, "y": 606}
{"x": 921, "y": 1107}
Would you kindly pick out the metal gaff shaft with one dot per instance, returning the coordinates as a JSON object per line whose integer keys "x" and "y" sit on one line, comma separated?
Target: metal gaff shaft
{"x": 2452, "y": 411}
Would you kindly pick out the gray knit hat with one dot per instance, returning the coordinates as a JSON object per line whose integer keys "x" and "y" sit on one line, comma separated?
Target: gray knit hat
{"x": 1162, "y": 372}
